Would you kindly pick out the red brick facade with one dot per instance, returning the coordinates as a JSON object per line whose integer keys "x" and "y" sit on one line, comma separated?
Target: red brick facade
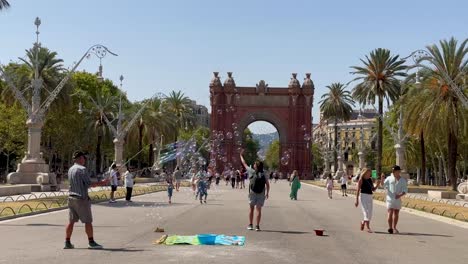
{"x": 288, "y": 109}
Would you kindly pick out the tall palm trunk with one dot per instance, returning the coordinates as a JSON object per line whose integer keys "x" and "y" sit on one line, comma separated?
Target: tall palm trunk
{"x": 423, "y": 159}
{"x": 140, "y": 143}
{"x": 335, "y": 154}
{"x": 150, "y": 154}
{"x": 379, "y": 137}
{"x": 452, "y": 159}
{"x": 98, "y": 152}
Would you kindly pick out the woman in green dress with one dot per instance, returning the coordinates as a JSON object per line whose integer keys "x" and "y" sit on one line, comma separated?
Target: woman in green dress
{"x": 295, "y": 184}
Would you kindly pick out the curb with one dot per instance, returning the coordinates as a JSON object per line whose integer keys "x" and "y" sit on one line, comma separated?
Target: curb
{"x": 439, "y": 218}
{"x": 11, "y": 217}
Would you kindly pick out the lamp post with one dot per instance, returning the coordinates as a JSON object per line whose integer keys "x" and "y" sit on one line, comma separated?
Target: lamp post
{"x": 33, "y": 169}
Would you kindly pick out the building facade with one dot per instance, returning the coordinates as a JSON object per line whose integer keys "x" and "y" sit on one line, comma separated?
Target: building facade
{"x": 358, "y": 135}
{"x": 202, "y": 117}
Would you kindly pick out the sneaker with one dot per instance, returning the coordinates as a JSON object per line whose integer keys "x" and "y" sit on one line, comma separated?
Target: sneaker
{"x": 112, "y": 201}
{"x": 204, "y": 201}
{"x": 94, "y": 245}
{"x": 68, "y": 245}
{"x": 257, "y": 228}
{"x": 250, "y": 227}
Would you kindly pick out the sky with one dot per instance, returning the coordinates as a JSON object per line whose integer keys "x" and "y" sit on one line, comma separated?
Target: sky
{"x": 176, "y": 45}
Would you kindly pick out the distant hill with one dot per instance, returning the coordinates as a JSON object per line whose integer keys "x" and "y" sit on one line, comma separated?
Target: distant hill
{"x": 265, "y": 140}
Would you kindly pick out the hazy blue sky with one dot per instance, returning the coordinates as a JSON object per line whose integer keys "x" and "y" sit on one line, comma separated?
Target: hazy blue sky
{"x": 176, "y": 45}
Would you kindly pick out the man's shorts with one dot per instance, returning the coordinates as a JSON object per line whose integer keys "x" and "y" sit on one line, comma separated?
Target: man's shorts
{"x": 80, "y": 209}
{"x": 343, "y": 186}
{"x": 113, "y": 188}
{"x": 256, "y": 199}
{"x": 394, "y": 204}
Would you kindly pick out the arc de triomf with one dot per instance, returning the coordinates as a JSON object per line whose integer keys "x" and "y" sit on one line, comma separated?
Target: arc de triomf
{"x": 289, "y": 109}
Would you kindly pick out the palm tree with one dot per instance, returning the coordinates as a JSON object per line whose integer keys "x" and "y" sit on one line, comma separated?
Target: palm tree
{"x": 336, "y": 105}
{"x": 437, "y": 106}
{"x": 50, "y": 70}
{"x": 379, "y": 80}
{"x": 4, "y": 4}
{"x": 105, "y": 105}
{"x": 159, "y": 124}
{"x": 181, "y": 107}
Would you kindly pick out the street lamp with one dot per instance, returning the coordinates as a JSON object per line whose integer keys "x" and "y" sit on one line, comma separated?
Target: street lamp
{"x": 33, "y": 169}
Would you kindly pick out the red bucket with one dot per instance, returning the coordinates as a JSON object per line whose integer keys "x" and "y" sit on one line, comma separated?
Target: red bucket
{"x": 319, "y": 232}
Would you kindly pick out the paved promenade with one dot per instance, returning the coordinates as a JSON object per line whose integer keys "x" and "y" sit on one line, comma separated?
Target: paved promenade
{"x": 126, "y": 231}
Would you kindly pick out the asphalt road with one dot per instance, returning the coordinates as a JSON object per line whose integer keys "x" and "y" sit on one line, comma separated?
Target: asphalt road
{"x": 126, "y": 231}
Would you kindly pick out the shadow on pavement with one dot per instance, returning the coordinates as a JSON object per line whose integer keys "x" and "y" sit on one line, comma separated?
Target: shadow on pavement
{"x": 49, "y": 225}
{"x": 411, "y": 234}
{"x": 286, "y": 232}
{"x": 114, "y": 249}
{"x": 121, "y": 204}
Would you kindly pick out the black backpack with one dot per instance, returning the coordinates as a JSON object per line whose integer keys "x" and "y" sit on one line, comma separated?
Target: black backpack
{"x": 257, "y": 183}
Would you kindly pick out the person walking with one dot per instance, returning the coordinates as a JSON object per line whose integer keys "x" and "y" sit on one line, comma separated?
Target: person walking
{"x": 114, "y": 181}
{"x": 295, "y": 184}
{"x": 79, "y": 203}
{"x": 128, "y": 185}
{"x": 396, "y": 187}
{"x": 170, "y": 187}
{"x": 233, "y": 179}
{"x": 365, "y": 190}
{"x": 329, "y": 185}
{"x": 344, "y": 182}
{"x": 257, "y": 196}
{"x": 202, "y": 186}
{"x": 177, "y": 177}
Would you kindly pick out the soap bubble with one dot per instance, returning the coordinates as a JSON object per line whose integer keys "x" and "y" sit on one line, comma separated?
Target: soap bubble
{"x": 225, "y": 159}
{"x": 220, "y": 112}
{"x": 236, "y": 133}
{"x": 304, "y": 127}
{"x": 284, "y": 161}
{"x": 232, "y": 108}
{"x": 238, "y": 97}
{"x": 229, "y": 135}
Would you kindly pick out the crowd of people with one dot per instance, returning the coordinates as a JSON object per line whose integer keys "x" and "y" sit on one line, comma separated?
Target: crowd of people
{"x": 79, "y": 202}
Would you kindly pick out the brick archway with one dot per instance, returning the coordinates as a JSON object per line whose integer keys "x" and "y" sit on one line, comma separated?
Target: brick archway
{"x": 289, "y": 109}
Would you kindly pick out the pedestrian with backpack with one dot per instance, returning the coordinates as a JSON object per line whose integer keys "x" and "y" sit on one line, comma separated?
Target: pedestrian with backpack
{"x": 257, "y": 185}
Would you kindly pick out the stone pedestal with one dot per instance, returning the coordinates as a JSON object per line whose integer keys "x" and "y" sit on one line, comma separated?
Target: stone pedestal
{"x": 33, "y": 169}
{"x": 326, "y": 170}
{"x": 362, "y": 161}
{"x": 400, "y": 160}
{"x": 339, "y": 172}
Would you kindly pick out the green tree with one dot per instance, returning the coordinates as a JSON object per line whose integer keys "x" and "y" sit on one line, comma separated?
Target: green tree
{"x": 378, "y": 79}
{"x": 4, "y": 4}
{"x": 437, "y": 108}
{"x": 12, "y": 131}
{"x": 181, "y": 107}
{"x": 336, "y": 105}
{"x": 272, "y": 155}
{"x": 317, "y": 157}
{"x": 251, "y": 147}
{"x": 99, "y": 99}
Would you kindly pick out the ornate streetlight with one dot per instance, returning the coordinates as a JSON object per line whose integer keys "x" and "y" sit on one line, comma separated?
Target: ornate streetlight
{"x": 33, "y": 169}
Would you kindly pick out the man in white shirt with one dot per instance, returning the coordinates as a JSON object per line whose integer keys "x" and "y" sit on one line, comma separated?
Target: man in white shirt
{"x": 114, "y": 181}
{"x": 396, "y": 187}
{"x": 344, "y": 182}
{"x": 128, "y": 185}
